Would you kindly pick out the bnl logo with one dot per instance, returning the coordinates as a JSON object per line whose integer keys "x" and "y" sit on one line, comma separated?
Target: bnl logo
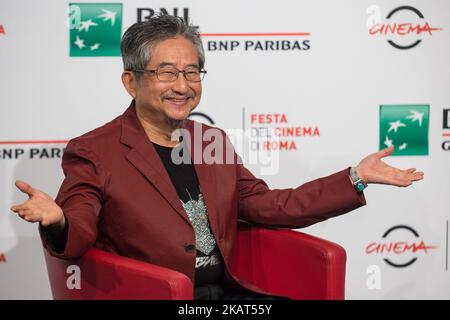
{"x": 145, "y": 14}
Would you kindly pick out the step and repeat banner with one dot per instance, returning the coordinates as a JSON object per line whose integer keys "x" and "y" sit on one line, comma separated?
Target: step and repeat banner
{"x": 314, "y": 85}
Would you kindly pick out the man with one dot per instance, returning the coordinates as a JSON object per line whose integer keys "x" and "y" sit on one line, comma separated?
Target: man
{"x": 125, "y": 193}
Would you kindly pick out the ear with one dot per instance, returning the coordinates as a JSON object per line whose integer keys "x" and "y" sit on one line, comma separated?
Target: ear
{"x": 129, "y": 82}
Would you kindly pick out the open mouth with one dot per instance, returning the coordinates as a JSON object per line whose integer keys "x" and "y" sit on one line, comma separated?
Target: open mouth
{"x": 178, "y": 101}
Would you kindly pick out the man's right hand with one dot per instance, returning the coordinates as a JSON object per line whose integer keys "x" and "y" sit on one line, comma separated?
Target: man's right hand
{"x": 40, "y": 207}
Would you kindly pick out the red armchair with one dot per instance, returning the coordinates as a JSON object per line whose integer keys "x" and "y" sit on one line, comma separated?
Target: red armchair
{"x": 283, "y": 262}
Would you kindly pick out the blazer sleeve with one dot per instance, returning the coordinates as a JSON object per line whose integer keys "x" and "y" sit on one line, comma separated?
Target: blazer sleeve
{"x": 80, "y": 197}
{"x": 305, "y": 205}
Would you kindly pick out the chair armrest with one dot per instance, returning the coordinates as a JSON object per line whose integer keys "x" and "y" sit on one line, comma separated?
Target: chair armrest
{"x": 108, "y": 276}
{"x": 290, "y": 263}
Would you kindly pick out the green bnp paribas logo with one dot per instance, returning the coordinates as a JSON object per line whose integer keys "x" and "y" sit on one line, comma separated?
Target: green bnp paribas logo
{"x": 95, "y": 29}
{"x": 406, "y": 128}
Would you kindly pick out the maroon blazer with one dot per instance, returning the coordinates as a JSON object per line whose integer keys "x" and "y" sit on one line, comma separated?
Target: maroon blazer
{"x": 118, "y": 197}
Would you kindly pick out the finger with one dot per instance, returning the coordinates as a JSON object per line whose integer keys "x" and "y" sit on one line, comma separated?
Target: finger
{"x": 418, "y": 176}
{"x": 29, "y": 215}
{"x": 31, "y": 218}
{"x": 404, "y": 181}
{"x": 409, "y": 178}
{"x": 399, "y": 178}
{"x": 24, "y": 214}
{"x": 21, "y": 213}
{"x": 23, "y": 206}
{"x": 412, "y": 174}
{"x": 19, "y": 207}
{"x": 385, "y": 152}
{"x": 25, "y": 187}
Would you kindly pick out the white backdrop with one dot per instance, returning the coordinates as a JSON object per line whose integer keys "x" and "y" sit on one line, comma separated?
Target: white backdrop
{"x": 332, "y": 82}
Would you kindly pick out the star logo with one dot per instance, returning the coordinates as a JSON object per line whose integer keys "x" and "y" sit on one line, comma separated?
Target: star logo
{"x": 86, "y": 24}
{"x": 416, "y": 116}
{"x": 395, "y": 125}
{"x": 79, "y": 43}
{"x": 388, "y": 142}
{"x": 108, "y": 15}
{"x": 95, "y": 46}
{"x": 402, "y": 146}
{"x": 405, "y": 127}
{"x": 96, "y": 30}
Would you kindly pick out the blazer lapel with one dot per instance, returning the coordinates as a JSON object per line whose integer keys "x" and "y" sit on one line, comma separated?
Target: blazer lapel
{"x": 146, "y": 160}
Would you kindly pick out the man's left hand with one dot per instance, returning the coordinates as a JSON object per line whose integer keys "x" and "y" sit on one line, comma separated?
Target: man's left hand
{"x": 373, "y": 170}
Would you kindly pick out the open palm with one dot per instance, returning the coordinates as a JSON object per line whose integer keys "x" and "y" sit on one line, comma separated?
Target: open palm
{"x": 39, "y": 207}
{"x": 373, "y": 170}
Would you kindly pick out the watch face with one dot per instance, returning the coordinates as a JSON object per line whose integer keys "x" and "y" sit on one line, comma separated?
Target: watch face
{"x": 360, "y": 186}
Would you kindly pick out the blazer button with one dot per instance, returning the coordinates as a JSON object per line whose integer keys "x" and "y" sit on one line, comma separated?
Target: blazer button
{"x": 189, "y": 247}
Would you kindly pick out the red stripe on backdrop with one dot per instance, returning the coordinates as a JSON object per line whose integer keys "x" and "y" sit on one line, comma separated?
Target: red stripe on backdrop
{"x": 34, "y": 142}
{"x": 273, "y": 34}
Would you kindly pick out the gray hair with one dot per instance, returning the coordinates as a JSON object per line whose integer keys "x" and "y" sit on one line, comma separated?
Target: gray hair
{"x": 139, "y": 39}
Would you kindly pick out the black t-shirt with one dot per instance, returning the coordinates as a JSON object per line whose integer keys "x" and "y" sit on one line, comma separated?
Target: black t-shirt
{"x": 209, "y": 262}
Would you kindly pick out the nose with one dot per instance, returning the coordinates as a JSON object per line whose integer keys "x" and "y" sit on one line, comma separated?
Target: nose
{"x": 181, "y": 85}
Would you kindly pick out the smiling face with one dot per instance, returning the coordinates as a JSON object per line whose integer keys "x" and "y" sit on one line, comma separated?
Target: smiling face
{"x": 166, "y": 103}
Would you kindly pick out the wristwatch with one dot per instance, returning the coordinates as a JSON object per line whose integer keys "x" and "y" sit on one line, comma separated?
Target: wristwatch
{"x": 358, "y": 183}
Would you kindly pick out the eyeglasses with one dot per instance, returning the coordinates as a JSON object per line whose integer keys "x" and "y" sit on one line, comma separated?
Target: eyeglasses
{"x": 170, "y": 74}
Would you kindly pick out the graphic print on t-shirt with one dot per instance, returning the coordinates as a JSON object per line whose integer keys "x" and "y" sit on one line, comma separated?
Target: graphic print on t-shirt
{"x": 196, "y": 211}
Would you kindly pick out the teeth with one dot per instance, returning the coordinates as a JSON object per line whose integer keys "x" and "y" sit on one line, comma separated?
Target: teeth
{"x": 178, "y": 100}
